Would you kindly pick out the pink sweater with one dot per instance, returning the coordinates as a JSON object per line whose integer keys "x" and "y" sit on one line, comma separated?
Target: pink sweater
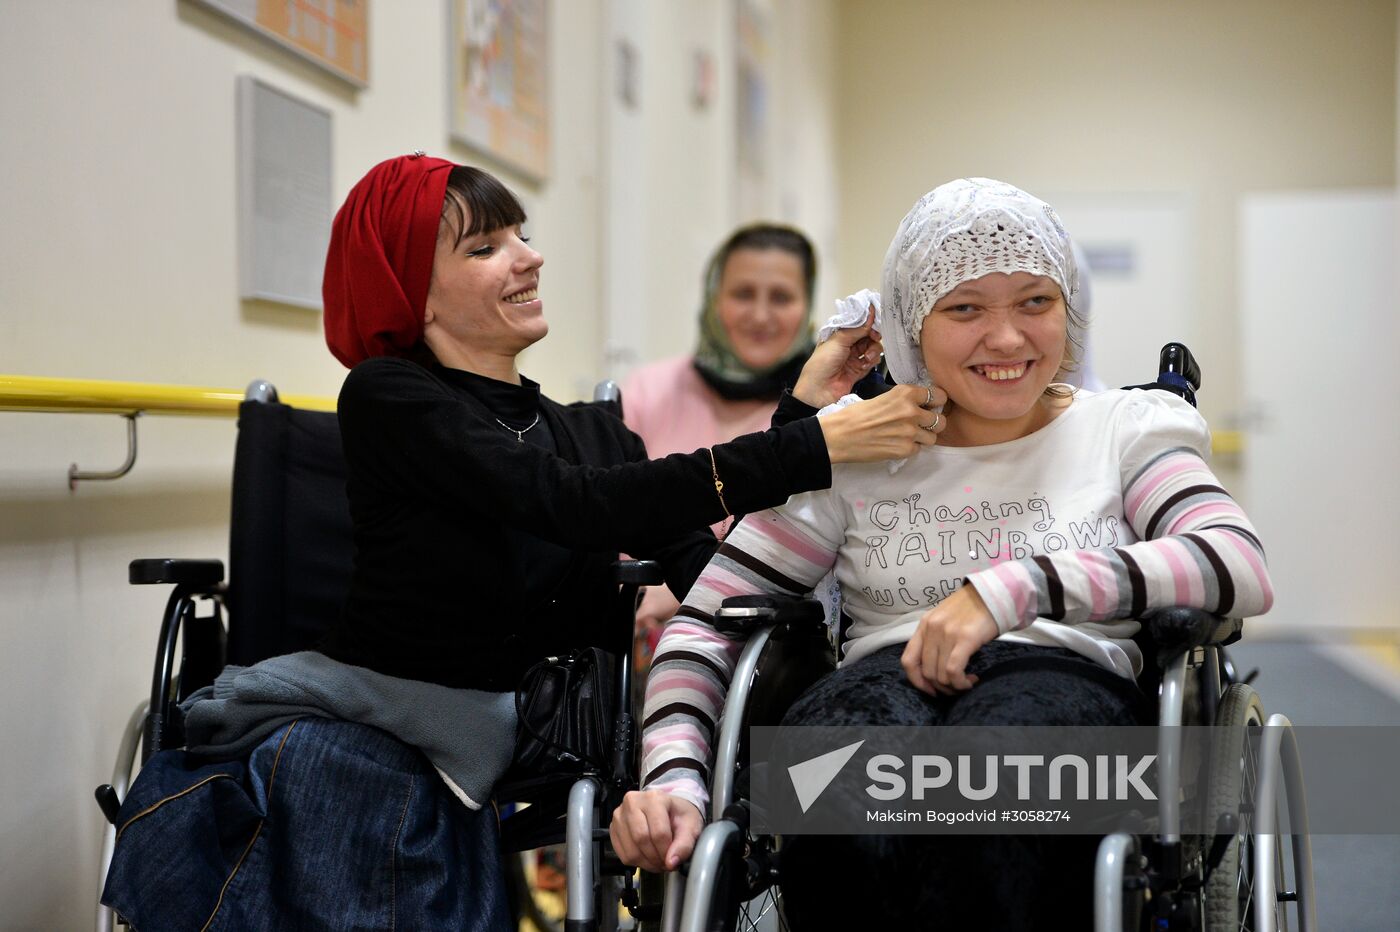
{"x": 672, "y": 409}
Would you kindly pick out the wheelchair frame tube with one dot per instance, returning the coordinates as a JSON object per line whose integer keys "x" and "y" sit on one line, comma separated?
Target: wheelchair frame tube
{"x": 732, "y": 722}
{"x": 704, "y": 873}
{"x": 672, "y": 901}
{"x": 622, "y": 744}
{"x": 1169, "y": 710}
{"x": 179, "y": 603}
{"x": 1213, "y": 686}
{"x": 1109, "y": 872}
{"x": 121, "y": 780}
{"x": 1279, "y": 751}
{"x": 580, "y": 912}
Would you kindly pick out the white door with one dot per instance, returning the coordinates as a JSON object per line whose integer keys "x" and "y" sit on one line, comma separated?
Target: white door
{"x": 1319, "y": 277}
{"x": 1143, "y": 279}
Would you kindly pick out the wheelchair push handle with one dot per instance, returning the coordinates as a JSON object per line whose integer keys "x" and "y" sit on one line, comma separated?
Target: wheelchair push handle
{"x": 1178, "y": 372}
{"x": 741, "y": 615}
{"x": 1175, "y": 358}
{"x": 638, "y": 573}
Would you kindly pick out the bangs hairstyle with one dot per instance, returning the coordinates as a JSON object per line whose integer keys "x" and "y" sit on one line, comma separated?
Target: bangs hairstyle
{"x": 763, "y": 236}
{"x": 476, "y": 202}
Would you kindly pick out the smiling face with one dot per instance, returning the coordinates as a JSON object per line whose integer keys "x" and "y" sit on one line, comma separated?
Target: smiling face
{"x": 762, "y": 304}
{"x": 994, "y": 344}
{"x": 483, "y": 303}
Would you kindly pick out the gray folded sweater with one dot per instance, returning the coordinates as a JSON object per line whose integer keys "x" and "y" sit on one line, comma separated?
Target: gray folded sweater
{"x": 467, "y": 734}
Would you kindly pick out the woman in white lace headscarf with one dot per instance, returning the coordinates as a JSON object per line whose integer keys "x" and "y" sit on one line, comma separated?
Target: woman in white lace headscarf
{"x": 992, "y": 579}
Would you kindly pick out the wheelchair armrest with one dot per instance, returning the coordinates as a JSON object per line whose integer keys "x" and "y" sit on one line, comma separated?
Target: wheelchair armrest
{"x": 1173, "y": 630}
{"x": 198, "y": 573}
{"x": 740, "y": 615}
{"x": 638, "y": 573}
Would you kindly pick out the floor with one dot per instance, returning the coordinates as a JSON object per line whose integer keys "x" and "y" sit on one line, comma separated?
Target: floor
{"x": 1352, "y": 683}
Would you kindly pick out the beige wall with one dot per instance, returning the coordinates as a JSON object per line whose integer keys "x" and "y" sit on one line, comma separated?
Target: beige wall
{"x": 118, "y": 261}
{"x": 1201, "y": 99}
{"x": 673, "y": 198}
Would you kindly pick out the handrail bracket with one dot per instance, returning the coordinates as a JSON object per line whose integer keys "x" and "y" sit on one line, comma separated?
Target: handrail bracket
{"x": 76, "y": 475}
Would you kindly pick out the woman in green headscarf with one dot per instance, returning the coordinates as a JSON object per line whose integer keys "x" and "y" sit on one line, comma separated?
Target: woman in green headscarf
{"x": 755, "y": 334}
{"x": 754, "y": 337}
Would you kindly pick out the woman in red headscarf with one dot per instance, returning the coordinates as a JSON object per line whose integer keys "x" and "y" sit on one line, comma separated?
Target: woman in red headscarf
{"x": 486, "y": 519}
{"x": 465, "y": 477}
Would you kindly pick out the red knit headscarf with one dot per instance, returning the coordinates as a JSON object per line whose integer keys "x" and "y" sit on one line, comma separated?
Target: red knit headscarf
{"x": 381, "y": 259}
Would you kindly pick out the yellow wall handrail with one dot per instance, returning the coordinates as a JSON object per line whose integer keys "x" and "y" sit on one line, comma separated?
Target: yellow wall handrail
{"x": 1227, "y": 442}
{"x": 93, "y": 396}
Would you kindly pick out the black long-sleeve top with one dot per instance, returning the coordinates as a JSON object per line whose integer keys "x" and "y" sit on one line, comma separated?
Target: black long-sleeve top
{"x": 477, "y": 553}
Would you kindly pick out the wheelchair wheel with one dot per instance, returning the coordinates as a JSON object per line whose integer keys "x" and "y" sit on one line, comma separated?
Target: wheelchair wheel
{"x": 730, "y": 887}
{"x": 1231, "y": 893}
{"x": 762, "y": 912}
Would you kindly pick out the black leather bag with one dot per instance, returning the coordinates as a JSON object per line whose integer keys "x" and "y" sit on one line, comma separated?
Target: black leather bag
{"x": 566, "y": 706}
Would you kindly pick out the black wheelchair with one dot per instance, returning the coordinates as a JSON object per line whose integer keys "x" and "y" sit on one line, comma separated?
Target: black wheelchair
{"x": 290, "y": 558}
{"x": 1236, "y": 878}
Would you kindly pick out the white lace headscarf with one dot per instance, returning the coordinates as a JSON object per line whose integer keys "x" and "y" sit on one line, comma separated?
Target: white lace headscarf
{"x": 958, "y": 232}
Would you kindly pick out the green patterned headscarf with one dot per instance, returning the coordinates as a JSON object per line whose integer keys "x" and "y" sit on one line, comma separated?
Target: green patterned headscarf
{"x": 715, "y": 358}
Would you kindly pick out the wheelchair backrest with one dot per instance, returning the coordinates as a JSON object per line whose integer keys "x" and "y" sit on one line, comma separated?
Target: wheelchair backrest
{"x": 291, "y": 548}
{"x": 291, "y": 542}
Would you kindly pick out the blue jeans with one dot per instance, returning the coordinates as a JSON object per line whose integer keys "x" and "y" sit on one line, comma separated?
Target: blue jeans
{"x": 326, "y": 825}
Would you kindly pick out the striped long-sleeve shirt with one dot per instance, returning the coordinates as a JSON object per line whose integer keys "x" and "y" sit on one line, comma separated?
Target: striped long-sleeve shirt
{"x": 1068, "y": 533}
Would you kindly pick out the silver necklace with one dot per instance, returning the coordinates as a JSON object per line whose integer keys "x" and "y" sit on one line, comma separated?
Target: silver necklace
{"x": 519, "y": 434}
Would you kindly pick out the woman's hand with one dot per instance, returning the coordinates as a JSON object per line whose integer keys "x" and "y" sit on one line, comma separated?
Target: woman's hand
{"x": 889, "y": 427}
{"x": 838, "y": 364}
{"x": 656, "y": 608}
{"x": 935, "y": 659}
{"x": 654, "y": 830}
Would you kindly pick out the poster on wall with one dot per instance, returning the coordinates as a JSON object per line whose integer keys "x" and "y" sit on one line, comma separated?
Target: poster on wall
{"x": 284, "y": 195}
{"x": 331, "y": 33}
{"x": 499, "y": 81}
{"x": 751, "y": 110}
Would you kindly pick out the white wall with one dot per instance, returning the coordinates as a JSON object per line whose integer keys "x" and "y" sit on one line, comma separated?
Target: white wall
{"x": 671, "y": 164}
{"x": 1198, "y": 100}
{"x": 118, "y": 261}
{"x": 669, "y": 171}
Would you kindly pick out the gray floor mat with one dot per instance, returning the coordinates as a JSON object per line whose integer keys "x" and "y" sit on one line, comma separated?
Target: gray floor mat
{"x": 1357, "y": 876}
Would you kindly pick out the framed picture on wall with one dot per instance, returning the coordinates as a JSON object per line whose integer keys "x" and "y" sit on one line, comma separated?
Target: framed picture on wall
{"x": 752, "y": 105}
{"x": 285, "y": 203}
{"x": 498, "y": 67}
{"x": 331, "y": 33}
